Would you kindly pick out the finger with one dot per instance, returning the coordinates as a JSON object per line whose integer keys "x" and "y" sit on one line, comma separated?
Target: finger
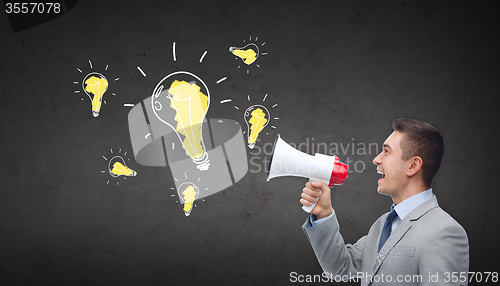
{"x": 309, "y": 198}
{"x": 311, "y": 192}
{"x": 309, "y": 185}
{"x": 305, "y": 202}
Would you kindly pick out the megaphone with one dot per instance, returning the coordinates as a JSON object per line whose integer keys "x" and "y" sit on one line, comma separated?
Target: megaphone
{"x": 288, "y": 161}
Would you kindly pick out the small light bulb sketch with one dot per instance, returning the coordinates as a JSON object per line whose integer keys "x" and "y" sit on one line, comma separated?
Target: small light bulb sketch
{"x": 117, "y": 167}
{"x": 257, "y": 117}
{"x": 249, "y": 52}
{"x": 188, "y": 192}
{"x": 95, "y": 85}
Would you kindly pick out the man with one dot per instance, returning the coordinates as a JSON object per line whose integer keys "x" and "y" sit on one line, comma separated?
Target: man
{"x": 417, "y": 243}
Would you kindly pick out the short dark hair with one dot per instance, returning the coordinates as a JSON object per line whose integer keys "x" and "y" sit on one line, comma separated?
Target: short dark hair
{"x": 423, "y": 140}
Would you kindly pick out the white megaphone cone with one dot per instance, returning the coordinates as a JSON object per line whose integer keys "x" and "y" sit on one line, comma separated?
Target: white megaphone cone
{"x": 288, "y": 161}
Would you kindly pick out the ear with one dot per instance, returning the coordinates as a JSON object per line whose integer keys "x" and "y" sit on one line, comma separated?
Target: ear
{"x": 415, "y": 165}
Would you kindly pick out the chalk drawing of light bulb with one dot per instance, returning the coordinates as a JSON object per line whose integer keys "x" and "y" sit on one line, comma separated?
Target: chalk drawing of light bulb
{"x": 117, "y": 168}
{"x": 257, "y": 117}
{"x": 188, "y": 192}
{"x": 181, "y": 101}
{"x": 248, "y": 53}
{"x": 95, "y": 85}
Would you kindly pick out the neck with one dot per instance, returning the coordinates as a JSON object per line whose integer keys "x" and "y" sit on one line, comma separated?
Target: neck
{"x": 407, "y": 192}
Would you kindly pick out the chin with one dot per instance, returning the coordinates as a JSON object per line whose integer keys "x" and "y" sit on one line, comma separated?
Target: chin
{"x": 382, "y": 191}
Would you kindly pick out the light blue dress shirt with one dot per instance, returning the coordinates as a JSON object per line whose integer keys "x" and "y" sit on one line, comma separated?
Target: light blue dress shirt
{"x": 402, "y": 209}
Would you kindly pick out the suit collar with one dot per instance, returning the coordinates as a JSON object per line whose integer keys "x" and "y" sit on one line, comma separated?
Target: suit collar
{"x": 403, "y": 228}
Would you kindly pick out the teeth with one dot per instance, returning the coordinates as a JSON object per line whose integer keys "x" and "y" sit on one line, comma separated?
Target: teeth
{"x": 380, "y": 172}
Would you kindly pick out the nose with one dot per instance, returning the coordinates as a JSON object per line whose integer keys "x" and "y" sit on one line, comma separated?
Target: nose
{"x": 377, "y": 160}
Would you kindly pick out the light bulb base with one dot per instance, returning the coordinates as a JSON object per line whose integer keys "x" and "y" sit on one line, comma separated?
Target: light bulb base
{"x": 251, "y": 145}
{"x": 95, "y": 113}
{"x": 202, "y": 163}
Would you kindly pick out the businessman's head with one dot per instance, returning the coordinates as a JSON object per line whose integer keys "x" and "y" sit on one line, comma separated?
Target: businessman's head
{"x": 410, "y": 158}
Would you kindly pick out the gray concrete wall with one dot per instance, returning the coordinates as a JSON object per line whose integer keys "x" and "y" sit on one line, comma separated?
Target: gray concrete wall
{"x": 340, "y": 72}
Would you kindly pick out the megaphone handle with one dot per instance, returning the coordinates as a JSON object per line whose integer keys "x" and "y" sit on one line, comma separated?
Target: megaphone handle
{"x": 308, "y": 209}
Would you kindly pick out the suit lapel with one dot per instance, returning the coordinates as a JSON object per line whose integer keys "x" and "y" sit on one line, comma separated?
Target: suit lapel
{"x": 402, "y": 229}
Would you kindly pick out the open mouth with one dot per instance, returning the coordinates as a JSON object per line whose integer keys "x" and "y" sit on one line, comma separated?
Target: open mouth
{"x": 380, "y": 172}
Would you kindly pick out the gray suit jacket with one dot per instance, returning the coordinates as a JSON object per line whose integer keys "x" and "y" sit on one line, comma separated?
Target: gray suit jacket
{"x": 428, "y": 244}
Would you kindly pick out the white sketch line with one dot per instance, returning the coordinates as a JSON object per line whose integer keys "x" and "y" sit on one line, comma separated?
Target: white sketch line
{"x": 139, "y": 68}
{"x": 273, "y": 126}
{"x": 221, "y": 80}
{"x": 80, "y": 70}
{"x": 90, "y": 63}
{"x": 105, "y": 158}
{"x": 257, "y": 65}
{"x": 276, "y": 118}
{"x": 265, "y": 97}
{"x": 275, "y": 105}
{"x": 173, "y": 51}
{"x": 226, "y": 100}
{"x": 77, "y": 91}
{"x": 256, "y": 38}
{"x": 173, "y": 145}
{"x": 117, "y": 78}
{"x": 128, "y": 104}
{"x": 263, "y": 44}
{"x": 201, "y": 59}
{"x": 248, "y": 97}
{"x": 75, "y": 82}
{"x": 236, "y": 107}
{"x": 185, "y": 175}
{"x": 106, "y": 67}
{"x": 147, "y": 135}
{"x": 176, "y": 179}
{"x": 264, "y": 54}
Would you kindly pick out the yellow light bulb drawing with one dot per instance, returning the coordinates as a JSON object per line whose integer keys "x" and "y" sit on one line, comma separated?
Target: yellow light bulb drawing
{"x": 248, "y": 53}
{"x": 117, "y": 168}
{"x": 188, "y": 192}
{"x": 185, "y": 99}
{"x": 257, "y": 117}
{"x": 95, "y": 85}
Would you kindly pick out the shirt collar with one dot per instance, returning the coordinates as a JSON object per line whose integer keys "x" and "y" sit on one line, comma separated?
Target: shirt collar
{"x": 406, "y": 206}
